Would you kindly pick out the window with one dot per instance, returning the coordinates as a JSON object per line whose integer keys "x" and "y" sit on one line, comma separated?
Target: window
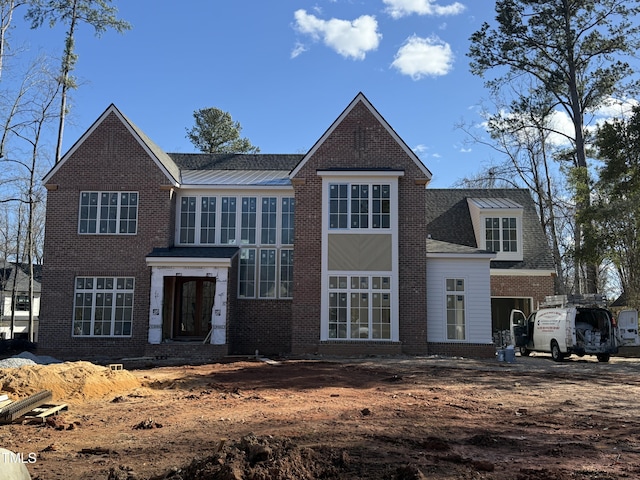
{"x": 208, "y": 220}
{"x": 365, "y": 205}
{"x": 228, "y": 222}
{"x": 288, "y": 210}
{"x": 188, "y": 220}
{"x": 338, "y": 206}
{"x": 268, "y": 273}
{"x": 103, "y": 306}
{"x": 269, "y": 215}
{"x": 248, "y": 221}
{"x": 286, "y": 273}
{"x": 455, "y": 309}
{"x": 360, "y": 307}
{"x": 247, "y": 288}
{"x": 22, "y": 303}
{"x": 108, "y": 213}
{"x": 501, "y": 234}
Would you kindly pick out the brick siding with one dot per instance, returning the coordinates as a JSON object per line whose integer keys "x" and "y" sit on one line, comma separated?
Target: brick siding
{"x": 520, "y": 286}
{"x": 110, "y": 159}
{"x": 375, "y": 148}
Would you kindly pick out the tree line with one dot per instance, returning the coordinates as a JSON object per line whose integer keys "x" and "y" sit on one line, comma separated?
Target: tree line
{"x": 543, "y": 62}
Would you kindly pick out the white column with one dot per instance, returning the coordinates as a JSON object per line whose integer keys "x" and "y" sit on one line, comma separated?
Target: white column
{"x": 155, "y": 306}
{"x": 219, "y": 314}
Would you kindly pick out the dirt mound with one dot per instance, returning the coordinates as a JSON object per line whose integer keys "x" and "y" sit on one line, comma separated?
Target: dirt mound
{"x": 70, "y": 381}
{"x": 258, "y": 458}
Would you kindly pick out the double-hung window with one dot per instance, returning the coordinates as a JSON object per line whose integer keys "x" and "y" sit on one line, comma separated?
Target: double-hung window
{"x": 103, "y": 306}
{"x": 108, "y": 213}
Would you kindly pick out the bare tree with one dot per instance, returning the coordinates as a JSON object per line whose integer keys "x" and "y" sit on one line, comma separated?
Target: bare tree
{"x": 100, "y": 14}
{"x": 29, "y": 115}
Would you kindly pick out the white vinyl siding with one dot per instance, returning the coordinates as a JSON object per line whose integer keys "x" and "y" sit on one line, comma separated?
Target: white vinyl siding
{"x": 477, "y": 298}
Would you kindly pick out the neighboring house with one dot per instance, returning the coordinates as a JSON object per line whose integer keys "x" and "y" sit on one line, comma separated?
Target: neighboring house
{"x": 18, "y": 274}
{"x": 197, "y": 256}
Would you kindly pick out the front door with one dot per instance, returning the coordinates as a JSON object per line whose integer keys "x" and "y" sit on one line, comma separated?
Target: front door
{"x": 194, "y": 305}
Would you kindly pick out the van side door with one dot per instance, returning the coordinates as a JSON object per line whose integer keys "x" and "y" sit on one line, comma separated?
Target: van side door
{"x": 628, "y": 329}
{"x": 519, "y": 328}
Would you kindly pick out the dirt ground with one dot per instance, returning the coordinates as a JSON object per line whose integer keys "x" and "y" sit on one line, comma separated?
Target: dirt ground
{"x": 376, "y": 418}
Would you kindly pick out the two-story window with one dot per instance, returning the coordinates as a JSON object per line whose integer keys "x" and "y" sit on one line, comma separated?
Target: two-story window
{"x": 497, "y": 224}
{"x": 108, "y": 213}
{"x": 360, "y": 255}
{"x": 103, "y": 306}
{"x": 262, "y": 226}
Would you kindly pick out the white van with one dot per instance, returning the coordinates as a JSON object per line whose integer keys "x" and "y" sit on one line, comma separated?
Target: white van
{"x": 563, "y": 331}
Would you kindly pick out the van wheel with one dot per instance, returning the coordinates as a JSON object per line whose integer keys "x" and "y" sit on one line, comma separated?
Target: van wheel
{"x": 524, "y": 351}
{"x": 556, "y": 354}
{"x": 603, "y": 357}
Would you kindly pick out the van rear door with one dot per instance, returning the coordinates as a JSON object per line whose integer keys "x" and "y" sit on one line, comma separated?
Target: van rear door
{"x": 628, "y": 329}
{"x": 518, "y": 328}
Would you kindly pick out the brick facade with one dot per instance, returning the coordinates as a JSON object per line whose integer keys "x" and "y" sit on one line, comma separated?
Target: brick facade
{"x": 359, "y": 141}
{"x": 110, "y": 159}
{"x": 535, "y": 287}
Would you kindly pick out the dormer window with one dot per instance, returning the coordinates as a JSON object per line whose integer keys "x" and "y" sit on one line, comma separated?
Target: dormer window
{"x": 497, "y": 224}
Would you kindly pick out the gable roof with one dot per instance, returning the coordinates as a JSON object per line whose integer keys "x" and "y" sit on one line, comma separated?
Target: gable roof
{"x": 19, "y": 271}
{"x": 161, "y": 159}
{"x": 360, "y": 98}
{"x": 449, "y": 220}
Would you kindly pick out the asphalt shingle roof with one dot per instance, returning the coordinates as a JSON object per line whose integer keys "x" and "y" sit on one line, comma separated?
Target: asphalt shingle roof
{"x": 449, "y": 220}
{"x": 8, "y": 271}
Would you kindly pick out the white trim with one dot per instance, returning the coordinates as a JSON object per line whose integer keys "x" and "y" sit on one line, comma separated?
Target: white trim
{"x": 186, "y": 262}
{"x": 489, "y": 255}
{"x": 111, "y": 109}
{"x": 362, "y": 177}
{"x": 219, "y": 309}
{"x": 361, "y": 98}
{"x": 504, "y": 272}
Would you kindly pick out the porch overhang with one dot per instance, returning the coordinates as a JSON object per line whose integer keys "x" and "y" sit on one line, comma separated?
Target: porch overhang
{"x": 192, "y": 257}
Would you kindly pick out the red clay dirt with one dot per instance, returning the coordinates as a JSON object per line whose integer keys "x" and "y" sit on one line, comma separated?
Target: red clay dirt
{"x": 375, "y": 418}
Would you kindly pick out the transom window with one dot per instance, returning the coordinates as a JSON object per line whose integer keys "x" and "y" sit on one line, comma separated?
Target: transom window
{"x": 455, "y": 309}
{"x": 360, "y": 307}
{"x": 501, "y": 234}
{"x": 103, "y": 306}
{"x": 359, "y": 206}
{"x": 108, "y": 213}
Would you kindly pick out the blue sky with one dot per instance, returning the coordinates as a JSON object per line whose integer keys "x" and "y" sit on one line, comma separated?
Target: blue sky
{"x": 285, "y": 70}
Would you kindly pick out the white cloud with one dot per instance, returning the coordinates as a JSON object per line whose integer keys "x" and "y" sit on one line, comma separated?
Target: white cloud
{"x": 351, "y": 39}
{"x": 420, "y": 149}
{"x": 420, "y": 57}
{"x": 402, "y": 8}
{"x": 298, "y": 50}
{"x": 616, "y": 108}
